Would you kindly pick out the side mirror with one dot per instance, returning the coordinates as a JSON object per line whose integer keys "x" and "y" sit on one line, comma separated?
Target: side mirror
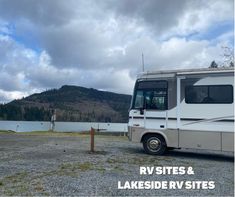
{"x": 141, "y": 111}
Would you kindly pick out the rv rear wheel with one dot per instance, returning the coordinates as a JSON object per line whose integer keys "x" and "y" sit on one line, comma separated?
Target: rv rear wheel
{"x": 154, "y": 144}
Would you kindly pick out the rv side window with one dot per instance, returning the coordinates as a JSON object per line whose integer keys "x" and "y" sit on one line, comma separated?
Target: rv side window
{"x": 155, "y": 99}
{"x": 151, "y": 95}
{"x": 209, "y": 94}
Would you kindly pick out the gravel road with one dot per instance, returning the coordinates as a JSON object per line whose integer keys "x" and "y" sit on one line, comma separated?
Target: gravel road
{"x": 61, "y": 165}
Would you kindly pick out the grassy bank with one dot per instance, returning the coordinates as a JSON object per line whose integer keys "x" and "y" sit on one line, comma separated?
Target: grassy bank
{"x": 57, "y": 133}
{"x": 6, "y": 131}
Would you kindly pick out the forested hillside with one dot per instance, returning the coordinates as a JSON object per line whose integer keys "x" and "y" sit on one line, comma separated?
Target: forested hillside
{"x": 72, "y": 103}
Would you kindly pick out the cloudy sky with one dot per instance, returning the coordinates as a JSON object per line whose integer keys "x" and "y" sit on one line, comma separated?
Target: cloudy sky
{"x": 98, "y": 43}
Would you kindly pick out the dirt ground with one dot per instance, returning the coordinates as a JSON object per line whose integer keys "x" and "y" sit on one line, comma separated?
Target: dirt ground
{"x": 60, "y": 164}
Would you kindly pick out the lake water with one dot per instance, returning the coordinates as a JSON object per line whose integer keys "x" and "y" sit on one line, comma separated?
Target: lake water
{"x": 27, "y": 126}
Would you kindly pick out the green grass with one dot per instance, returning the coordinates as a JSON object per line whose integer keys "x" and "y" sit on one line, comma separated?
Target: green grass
{"x": 77, "y": 166}
{"x": 52, "y": 133}
{"x": 65, "y": 134}
{"x": 21, "y": 184}
{"x": 6, "y": 131}
{"x": 15, "y": 184}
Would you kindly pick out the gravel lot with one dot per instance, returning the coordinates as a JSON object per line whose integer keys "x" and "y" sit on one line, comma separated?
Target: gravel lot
{"x": 61, "y": 165}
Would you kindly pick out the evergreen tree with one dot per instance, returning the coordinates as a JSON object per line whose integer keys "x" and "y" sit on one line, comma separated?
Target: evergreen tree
{"x": 213, "y": 65}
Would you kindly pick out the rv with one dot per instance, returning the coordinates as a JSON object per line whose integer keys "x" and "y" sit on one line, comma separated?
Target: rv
{"x": 190, "y": 108}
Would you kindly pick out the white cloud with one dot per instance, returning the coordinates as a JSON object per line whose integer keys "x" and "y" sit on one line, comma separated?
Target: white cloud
{"x": 99, "y": 44}
{"x": 210, "y": 13}
{"x": 108, "y": 79}
{"x": 6, "y": 96}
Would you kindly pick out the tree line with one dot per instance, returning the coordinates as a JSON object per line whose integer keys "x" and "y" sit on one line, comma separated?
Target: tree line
{"x": 14, "y": 112}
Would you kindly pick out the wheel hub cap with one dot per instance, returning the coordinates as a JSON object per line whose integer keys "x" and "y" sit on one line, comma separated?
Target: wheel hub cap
{"x": 154, "y": 144}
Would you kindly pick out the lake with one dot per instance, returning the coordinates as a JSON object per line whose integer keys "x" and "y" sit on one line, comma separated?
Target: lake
{"x": 27, "y": 126}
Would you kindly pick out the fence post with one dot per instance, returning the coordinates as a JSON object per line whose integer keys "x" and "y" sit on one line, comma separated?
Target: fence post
{"x": 92, "y": 132}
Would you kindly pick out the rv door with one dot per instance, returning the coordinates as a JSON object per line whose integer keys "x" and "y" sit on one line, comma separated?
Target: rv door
{"x": 137, "y": 112}
{"x": 149, "y": 105}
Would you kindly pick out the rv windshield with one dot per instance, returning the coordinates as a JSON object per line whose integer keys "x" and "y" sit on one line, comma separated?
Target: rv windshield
{"x": 150, "y": 95}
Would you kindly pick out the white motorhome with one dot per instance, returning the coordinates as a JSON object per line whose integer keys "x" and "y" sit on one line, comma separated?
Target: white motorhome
{"x": 190, "y": 108}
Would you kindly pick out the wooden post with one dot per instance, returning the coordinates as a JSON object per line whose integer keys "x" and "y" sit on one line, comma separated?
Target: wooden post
{"x": 92, "y": 139}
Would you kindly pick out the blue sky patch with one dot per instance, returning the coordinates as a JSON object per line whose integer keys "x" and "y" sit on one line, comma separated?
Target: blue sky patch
{"x": 28, "y": 39}
{"x": 213, "y": 32}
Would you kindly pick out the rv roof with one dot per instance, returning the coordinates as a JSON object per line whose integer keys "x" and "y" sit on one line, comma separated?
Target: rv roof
{"x": 178, "y": 72}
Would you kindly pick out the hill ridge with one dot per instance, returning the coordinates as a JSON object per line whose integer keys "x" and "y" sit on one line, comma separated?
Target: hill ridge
{"x": 72, "y": 103}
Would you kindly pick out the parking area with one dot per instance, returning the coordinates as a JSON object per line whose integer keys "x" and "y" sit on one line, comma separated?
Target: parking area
{"x": 60, "y": 164}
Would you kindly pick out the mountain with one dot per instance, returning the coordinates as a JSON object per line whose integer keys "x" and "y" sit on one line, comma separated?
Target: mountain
{"x": 72, "y": 103}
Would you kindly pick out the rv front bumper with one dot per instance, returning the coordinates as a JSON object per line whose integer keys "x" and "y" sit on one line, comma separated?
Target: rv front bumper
{"x": 135, "y": 133}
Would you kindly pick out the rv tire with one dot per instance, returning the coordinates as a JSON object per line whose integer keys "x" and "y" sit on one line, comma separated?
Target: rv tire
{"x": 154, "y": 144}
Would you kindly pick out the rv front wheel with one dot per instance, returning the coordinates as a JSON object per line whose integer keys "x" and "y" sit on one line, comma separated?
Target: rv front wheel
{"x": 154, "y": 144}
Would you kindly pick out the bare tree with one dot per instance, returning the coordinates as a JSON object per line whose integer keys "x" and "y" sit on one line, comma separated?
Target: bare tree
{"x": 228, "y": 56}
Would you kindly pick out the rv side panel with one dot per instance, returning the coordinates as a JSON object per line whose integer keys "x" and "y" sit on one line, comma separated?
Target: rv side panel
{"x": 227, "y": 141}
{"x": 200, "y": 140}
